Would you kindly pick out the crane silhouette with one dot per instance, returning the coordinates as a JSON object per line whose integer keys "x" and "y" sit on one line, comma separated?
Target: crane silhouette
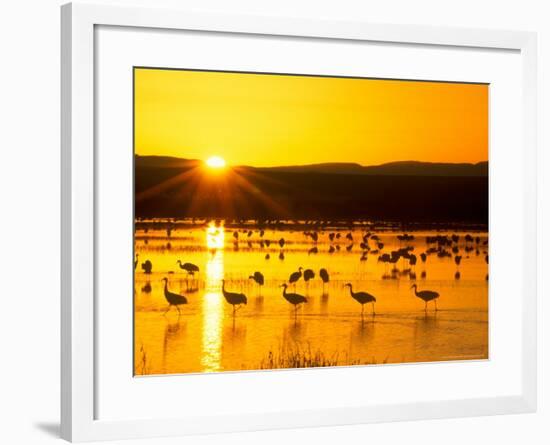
{"x": 362, "y": 298}
{"x": 233, "y": 298}
{"x": 323, "y": 273}
{"x": 294, "y": 299}
{"x": 258, "y": 277}
{"x": 190, "y": 268}
{"x": 458, "y": 259}
{"x": 294, "y": 277}
{"x": 426, "y": 295}
{"x": 172, "y": 298}
{"x": 308, "y": 275}
{"x": 147, "y": 266}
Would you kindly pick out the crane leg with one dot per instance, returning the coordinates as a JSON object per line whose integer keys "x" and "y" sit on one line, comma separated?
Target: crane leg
{"x": 167, "y": 309}
{"x": 435, "y": 302}
{"x": 373, "y": 313}
{"x": 425, "y": 306}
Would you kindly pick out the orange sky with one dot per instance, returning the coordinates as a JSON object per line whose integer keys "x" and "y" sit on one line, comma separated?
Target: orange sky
{"x": 266, "y": 120}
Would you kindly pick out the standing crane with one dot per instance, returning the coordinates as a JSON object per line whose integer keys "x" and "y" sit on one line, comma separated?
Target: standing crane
{"x": 190, "y": 268}
{"x": 295, "y": 276}
{"x": 458, "y": 259}
{"x": 323, "y": 273}
{"x": 308, "y": 275}
{"x": 426, "y": 295}
{"x": 233, "y": 298}
{"x": 362, "y": 298}
{"x": 294, "y": 299}
{"x": 172, "y": 298}
{"x": 258, "y": 277}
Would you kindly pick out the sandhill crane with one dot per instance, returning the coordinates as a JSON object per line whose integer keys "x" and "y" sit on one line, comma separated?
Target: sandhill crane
{"x": 308, "y": 275}
{"x": 233, "y": 298}
{"x": 294, "y": 299}
{"x": 313, "y": 250}
{"x": 362, "y": 298}
{"x": 236, "y": 235}
{"x": 426, "y": 295}
{"x": 349, "y": 236}
{"x": 412, "y": 260}
{"x": 295, "y": 276}
{"x": 258, "y": 277}
{"x": 323, "y": 273}
{"x": 458, "y": 259}
{"x": 267, "y": 256}
{"x": 190, "y": 268}
{"x": 147, "y": 266}
{"x": 282, "y": 242}
{"x": 136, "y": 261}
{"x": 172, "y": 298}
{"x": 331, "y": 249}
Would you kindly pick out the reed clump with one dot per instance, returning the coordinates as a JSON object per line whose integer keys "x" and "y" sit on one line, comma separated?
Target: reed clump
{"x": 289, "y": 357}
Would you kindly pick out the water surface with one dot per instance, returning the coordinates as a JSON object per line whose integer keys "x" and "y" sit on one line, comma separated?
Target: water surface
{"x": 330, "y": 328}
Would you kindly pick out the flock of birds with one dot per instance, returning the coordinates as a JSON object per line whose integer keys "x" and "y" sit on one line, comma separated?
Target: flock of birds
{"x": 440, "y": 245}
{"x": 237, "y": 300}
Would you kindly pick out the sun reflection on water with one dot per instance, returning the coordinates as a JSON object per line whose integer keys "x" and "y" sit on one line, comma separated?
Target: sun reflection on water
{"x": 213, "y": 300}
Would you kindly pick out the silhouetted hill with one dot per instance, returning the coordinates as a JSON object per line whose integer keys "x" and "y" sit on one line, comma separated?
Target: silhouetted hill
{"x": 402, "y": 168}
{"x": 164, "y": 162}
{"x": 172, "y": 187}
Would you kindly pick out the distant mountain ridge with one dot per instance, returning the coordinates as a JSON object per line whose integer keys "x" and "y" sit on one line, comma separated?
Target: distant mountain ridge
{"x": 398, "y": 168}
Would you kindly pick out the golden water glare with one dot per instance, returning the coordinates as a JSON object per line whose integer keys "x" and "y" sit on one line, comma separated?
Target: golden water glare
{"x": 206, "y": 337}
{"x": 213, "y": 300}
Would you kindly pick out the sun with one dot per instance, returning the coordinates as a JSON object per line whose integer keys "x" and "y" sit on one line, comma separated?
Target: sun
{"x": 215, "y": 162}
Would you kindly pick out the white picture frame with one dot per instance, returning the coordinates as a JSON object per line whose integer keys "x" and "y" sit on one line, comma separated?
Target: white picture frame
{"x": 79, "y": 420}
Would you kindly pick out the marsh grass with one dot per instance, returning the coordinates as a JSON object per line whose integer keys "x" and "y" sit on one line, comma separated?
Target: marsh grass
{"x": 142, "y": 367}
{"x": 304, "y": 357}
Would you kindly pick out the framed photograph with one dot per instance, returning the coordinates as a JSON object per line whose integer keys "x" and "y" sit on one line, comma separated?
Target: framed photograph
{"x": 274, "y": 223}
